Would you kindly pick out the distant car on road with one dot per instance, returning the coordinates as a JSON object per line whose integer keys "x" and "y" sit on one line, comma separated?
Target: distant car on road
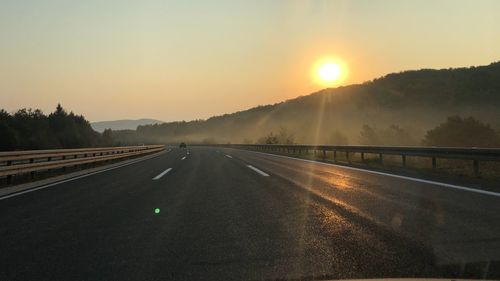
{"x": 182, "y": 145}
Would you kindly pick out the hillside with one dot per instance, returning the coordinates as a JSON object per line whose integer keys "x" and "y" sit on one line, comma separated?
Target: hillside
{"x": 122, "y": 124}
{"x": 31, "y": 129}
{"x": 412, "y": 101}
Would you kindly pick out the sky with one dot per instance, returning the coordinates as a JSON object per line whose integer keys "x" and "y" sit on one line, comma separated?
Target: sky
{"x": 185, "y": 60}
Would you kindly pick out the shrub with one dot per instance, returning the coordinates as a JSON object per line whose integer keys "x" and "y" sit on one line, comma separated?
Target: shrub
{"x": 462, "y": 132}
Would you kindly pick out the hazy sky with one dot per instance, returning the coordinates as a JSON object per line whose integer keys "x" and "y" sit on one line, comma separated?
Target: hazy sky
{"x": 175, "y": 60}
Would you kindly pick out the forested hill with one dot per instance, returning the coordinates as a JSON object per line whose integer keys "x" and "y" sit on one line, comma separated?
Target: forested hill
{"x": 32, "y": 129}
{"x": 411, "y": 102}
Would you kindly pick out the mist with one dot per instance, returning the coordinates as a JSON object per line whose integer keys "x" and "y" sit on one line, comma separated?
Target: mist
{"x": 397, "y": 109}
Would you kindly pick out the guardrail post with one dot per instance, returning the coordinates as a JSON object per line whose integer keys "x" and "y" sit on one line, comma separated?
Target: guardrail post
{"x": 403, "y": 158}
{"x": 49, "y": 159}
{"x": 9, "y": 177}
{"x": 324, "y": 154}
{"x": 434, "y": 162}
{"x": 32, "y": 174}
{"x": 347, "y": 156}
{"x": 476, "y": 168}
{"x": 63, "y": 158}
{"x": 381, "y": 157}
{"x": 335, "y": 156}
{"x": 362, "y": 157}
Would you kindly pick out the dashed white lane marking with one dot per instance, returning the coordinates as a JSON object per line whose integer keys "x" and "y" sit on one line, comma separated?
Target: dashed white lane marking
{"x": 162, "y": 174}
{"x": 229, "y": 156}
{"x": 258, "y": 171}
{"x": 436, "y": 183}
{"x": 183, "y": 158}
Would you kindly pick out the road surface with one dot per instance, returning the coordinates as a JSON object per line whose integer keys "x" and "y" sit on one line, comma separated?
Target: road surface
{"x": 223, "y": 214}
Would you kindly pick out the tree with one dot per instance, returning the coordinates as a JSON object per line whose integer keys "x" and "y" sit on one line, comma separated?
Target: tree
{"x": 269, "y": 139}
{"x": 72, "y": 130}
{"x": 10, "y": 138}
{"x": 31, "y": 129}
{"x": 368, "y": 136}
{"x": 283, "y": 137}
{"x": 392, "y": 135}
{"x": 395, "y": 135}
{"x": 107, "y": 138}
{"x": 460, "y": 132}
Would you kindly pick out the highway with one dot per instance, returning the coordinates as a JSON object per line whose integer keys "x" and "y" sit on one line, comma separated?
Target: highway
{"x": 225, "y": 214}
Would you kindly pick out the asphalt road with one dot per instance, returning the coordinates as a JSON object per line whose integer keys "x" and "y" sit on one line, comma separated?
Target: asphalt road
{"x": 220, "y": 219}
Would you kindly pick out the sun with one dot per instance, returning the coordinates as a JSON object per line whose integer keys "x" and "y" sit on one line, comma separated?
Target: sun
{"x": 330, "y": 72}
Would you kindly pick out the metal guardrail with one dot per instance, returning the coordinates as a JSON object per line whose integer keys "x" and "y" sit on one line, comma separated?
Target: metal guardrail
{"x": 31, "y": 161}
{"x": 473, "y": 154}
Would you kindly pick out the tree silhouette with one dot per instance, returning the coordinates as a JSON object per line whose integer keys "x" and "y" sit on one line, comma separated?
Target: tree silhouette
{"x": 460, "y": 132}
{"x": 31, "y": 129}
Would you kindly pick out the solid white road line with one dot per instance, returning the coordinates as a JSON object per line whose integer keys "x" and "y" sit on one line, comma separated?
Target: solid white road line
{"x": 470, "y": 189}
{"x": 258, "y": 171}
{"x": 229, "y": 156}
{"x": 183, "y": 158}
{"x": 162, "y": 174}
{"x": 72, "y": 179}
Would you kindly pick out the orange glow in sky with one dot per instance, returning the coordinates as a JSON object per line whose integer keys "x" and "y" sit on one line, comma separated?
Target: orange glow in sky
{"x": 184, "y": 60}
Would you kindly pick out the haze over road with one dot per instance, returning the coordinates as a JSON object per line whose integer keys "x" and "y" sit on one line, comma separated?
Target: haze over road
{"x": 228, "y": 214}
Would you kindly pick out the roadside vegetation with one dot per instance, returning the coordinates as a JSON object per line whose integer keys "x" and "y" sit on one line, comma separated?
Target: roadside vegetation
{"x": 28, "y": 129}
{"x": 464, "y": 132}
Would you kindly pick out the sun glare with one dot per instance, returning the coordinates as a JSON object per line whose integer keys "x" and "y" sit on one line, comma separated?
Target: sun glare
{"x": 329, "y": 72}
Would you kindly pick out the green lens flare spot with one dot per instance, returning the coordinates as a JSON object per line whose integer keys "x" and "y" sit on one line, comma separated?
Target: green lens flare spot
{"x": 157, "y": 210}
